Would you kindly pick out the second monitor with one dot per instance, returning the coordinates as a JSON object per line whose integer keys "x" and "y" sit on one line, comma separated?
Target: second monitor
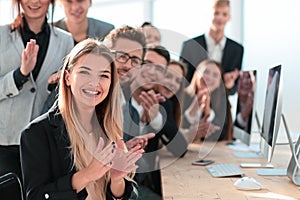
{"x": 245, "y": 112}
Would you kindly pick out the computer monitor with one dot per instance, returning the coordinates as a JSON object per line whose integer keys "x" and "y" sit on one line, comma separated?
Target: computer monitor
{"x": 272, "y": 112}
{"x": 245, "y": 110}
{"x": 271, "y": 118}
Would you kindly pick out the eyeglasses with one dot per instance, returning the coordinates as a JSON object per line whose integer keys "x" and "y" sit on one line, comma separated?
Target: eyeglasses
{"x": 158, "y": 68}
{"x": 123, "y": 57}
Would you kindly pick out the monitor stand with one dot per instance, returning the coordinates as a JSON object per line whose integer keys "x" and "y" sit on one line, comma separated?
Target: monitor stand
{"x": 292, "y": 170}
{"x": 272, "y": 172}
{"x": 256, "y": 165}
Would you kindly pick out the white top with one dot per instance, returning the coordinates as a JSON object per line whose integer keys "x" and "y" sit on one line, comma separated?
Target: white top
{"x": 156, "y": 123}
{"x": 215, "y": 50}
{"x": 197, "y": 116}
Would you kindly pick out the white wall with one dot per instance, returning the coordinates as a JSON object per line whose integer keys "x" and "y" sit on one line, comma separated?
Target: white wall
{"x": 268, "y": 29}
{"x": 271, "y": 37}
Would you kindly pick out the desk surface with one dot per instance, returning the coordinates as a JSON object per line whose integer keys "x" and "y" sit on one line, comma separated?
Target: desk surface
{"x": 183, "y": 181}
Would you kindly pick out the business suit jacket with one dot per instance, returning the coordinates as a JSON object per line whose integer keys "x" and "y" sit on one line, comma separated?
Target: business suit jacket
{"x": 19, "y": 107}
{"x": 195, "y": 50}
{"x": 46, "y": 160}
{"x": 96, "y": 28}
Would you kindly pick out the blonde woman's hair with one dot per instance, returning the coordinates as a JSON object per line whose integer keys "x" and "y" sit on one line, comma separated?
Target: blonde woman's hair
{"x": 108, "y": 113}
{"x": 220, "y": 3}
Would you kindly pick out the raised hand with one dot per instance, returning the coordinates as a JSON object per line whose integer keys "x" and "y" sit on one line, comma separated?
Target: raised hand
{"x": 54, "y": 78}
{"x": 230, "y": 77}
{"x": 29, "y": 57}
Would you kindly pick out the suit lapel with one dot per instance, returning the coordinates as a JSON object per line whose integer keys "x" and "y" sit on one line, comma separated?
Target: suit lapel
{"x": 17, "y": 41}
{"x": 64, "y": 160}
{"x": 53, "y": 48}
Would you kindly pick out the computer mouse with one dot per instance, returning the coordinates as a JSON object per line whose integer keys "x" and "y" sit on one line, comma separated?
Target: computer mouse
{"x": 247, "y": 183}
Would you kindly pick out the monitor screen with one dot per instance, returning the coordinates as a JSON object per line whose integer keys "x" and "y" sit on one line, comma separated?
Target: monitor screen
{"x": 245, "y": 106}
{"x": 272, "y": 111}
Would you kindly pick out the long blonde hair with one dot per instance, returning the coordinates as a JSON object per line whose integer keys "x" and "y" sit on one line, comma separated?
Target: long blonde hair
{"x": 108, "y": 113}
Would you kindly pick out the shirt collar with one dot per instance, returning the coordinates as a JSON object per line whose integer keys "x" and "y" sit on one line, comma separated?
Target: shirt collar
{"x": 45, "y": 27}
{"x": 211, "y": 42}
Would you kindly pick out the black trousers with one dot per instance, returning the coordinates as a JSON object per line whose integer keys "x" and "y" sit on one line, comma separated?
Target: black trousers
{"x": 10, "y": 162}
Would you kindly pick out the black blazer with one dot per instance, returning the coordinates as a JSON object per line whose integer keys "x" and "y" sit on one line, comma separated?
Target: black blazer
{"x": 47, "y": 161}
{"x": 195, "y": 50}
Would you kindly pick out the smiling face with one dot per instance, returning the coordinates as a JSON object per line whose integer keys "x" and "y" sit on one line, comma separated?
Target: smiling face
{"x": 134, "y": 49}
{"x": 212, "y": 77}
{"x": 152, "y": 71}
{"x": 172, "y": 81}
{"x": 76, "y": 10}
{"x": 35, "y": 9}
{"x": 89, "y": 80}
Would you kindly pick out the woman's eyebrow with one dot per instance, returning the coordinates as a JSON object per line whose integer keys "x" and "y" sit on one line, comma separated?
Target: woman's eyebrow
{"x": 85, "y": 67}
{"x": 105, "y": 71}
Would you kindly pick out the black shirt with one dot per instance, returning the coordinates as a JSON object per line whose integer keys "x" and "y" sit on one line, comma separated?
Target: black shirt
{"x": 42, "y": 39}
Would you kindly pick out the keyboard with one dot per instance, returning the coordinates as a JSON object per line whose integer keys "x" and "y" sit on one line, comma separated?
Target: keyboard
{"x": 224, "y": 170}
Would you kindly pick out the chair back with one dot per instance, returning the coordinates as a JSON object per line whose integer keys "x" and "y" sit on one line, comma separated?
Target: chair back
{"x": 10, "y": 187}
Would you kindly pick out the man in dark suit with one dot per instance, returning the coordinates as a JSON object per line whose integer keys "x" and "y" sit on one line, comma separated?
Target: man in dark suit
{"x": 217, "y": 46}
{"x": 154, "y": 115}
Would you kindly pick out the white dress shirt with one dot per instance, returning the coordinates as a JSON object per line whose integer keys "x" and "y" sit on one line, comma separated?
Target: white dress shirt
{"x": 156, "y": 123}
{"x": 215, "y": 50}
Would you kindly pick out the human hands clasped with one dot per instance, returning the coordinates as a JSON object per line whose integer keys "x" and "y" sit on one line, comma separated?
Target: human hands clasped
{"x": 150, "y": 102}
{"x": 203, "y": 129}
{"x": 113, "y": 158}
{"x": 124, "y": 162}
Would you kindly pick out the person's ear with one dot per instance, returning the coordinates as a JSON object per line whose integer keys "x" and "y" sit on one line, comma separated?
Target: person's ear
{"x": 67, "y": 77}
{"x": 91, "y": 3}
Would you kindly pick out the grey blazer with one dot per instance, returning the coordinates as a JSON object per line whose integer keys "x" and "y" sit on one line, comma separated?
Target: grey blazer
{"x": 97, "y": 28}
{"x": 18, "y": 108}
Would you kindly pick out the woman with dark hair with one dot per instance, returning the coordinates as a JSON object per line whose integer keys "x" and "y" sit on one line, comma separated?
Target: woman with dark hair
{"x": 31, "y": 50}
{"x": 152, "y": 34}
{"x": 81, "y": 154}
{"x": 173, "y": 87}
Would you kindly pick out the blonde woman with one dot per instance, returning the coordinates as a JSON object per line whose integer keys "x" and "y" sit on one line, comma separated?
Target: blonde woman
{"x": 76, "y": 150}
